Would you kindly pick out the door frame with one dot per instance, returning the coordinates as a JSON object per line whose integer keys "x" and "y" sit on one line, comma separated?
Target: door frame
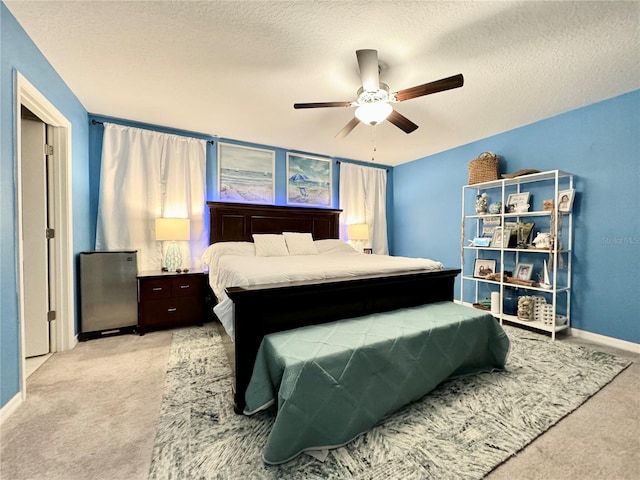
{"x": 62, "y": 335}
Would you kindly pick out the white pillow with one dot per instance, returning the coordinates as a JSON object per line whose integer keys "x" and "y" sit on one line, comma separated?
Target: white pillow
{"x": 333, "y": 245}
{"x": 300, "y": 243}
{"x": 215, "y": 251}
{"x": 270, "y": 245}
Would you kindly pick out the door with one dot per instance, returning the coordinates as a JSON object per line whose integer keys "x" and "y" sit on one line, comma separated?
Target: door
{"x": 35, "y": 192}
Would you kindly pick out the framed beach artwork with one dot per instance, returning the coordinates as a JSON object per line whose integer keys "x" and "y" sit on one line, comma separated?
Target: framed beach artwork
{"x": 246, "y": 174}
{"x": 308, "y": 180}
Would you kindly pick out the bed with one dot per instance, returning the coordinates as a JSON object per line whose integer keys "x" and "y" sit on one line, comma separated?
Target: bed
{"x": 261, "y": 309}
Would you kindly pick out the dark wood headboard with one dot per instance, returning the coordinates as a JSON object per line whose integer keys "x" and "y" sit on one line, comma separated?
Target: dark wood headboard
{"x": 236, "y": 222}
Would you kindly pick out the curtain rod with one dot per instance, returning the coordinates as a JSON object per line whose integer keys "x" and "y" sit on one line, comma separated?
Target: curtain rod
{"x": 96, "y": 122}
{"x": 338, "y": 163}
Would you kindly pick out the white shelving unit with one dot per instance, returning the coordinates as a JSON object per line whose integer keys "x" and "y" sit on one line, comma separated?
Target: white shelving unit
{"x": 541, "y": 186}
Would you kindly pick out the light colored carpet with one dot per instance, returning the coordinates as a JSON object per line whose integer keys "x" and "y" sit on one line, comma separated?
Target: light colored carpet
{"x": 462, "y": 430}
{"x": 75, "y": 425}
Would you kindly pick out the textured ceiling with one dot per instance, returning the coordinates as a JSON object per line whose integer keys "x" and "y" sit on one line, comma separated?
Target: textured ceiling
{"x": 235, "y": 68}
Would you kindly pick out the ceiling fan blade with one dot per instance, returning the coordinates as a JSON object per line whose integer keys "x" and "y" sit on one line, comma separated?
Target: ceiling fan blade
{"x": 402, "y": 122}
{"x": 369, "y": 69}
{"x": 321, "y": 104}
{"x": 432, "y": 87}
{"x": 348, "y": 127}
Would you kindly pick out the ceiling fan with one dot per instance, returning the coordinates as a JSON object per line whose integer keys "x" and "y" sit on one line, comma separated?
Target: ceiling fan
{"x": 373, "y": 100}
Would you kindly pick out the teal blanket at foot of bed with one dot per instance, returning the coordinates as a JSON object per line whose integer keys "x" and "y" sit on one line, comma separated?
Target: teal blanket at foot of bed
{"x": 337, "y": 380}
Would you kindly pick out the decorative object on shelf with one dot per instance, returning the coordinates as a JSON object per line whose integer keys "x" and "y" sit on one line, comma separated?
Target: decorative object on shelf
{"x": 484, "y": 168}
{"x": 510, "y": 301}
{"x": 547, "y": 205}
{"x": 543, "y": 280}
{"x": 481, "y": 204}
{"x": 525, "y": 308}
{"x": 495, "y": 303}
{"x": 524, "y": 271}
{"x": 542, "y": 240}
{"x": 495, "y": 208}
{"x": 515, "y": 281}
{"x": 565, "y": 200}
{"x": 520, "y": 233}
{"x": 518, "y": 202}
{"x": 489, "y": 224}
{"x": 500, "y": 237}
{"x": 481, "y": 242}
{"x": 172, "y": 229}
{"x": 543, "y": 312}
{"x": 519, "y": 173}
{"x": 482, "y": 267}
{"x": 496, "y": 277}
{"x": 359, "y": 233}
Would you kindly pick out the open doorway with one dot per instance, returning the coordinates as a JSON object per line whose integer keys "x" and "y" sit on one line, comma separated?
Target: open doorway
{"x": 38, "y": 236}
{"x": 49, "y": 285}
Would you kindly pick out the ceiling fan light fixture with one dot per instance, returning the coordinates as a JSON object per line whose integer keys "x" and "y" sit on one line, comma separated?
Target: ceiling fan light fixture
{"x": 373, "y": 113}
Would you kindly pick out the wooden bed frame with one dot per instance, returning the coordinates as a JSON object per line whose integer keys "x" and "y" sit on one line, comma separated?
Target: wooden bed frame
{"x": 264, "y": 309}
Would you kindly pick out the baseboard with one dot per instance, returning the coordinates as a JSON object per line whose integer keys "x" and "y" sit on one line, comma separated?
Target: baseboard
{"x": 10, "y": 407}
{"x": 594, "y": 337}
{"x": 608, "y": 341}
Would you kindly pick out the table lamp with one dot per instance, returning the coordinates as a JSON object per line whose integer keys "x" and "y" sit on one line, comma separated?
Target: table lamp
{"x": 172, "y": 229}
{"x": 358, "y": 232}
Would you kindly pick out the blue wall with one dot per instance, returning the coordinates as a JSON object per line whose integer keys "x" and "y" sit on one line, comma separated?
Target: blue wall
{"x": 95, "y": 153}
{"x": 600, "y": 144}
{"x": 18, "y": 53}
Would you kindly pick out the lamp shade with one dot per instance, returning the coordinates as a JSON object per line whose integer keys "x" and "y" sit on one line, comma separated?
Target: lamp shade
{"x": 358, "y": 231}
{"x": 172, "y": 229}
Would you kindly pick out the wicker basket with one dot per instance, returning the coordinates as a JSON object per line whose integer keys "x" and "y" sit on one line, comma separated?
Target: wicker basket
{"x": 484, "y": 168}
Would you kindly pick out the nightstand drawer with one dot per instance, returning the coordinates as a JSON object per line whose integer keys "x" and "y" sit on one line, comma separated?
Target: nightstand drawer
{"x": 187, "y": 286}
{"x": 152, "y": 288}
{"x": 172, "y": 311}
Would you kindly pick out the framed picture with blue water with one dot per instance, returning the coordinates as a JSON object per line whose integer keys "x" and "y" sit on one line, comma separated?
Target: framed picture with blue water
{"x": 246, "y": 174}
{"x": 308, "y": 180}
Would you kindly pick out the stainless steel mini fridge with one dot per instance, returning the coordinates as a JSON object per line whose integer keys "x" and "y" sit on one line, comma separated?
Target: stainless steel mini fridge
{"x": 108, "y": 293}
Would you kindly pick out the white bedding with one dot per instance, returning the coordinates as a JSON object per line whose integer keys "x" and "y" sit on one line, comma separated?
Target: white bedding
{"x": 234, "y": 264}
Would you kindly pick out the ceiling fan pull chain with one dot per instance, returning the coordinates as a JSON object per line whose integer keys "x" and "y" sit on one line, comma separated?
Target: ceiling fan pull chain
{"x": 373, "y": 140}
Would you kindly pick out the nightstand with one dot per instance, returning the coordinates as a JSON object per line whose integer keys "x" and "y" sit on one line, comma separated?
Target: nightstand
{"x": 170, "y": 299}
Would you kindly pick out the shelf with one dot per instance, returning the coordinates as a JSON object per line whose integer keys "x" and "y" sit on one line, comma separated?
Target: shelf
{"x": 533, "y": 324}
{"x": 517, "y": 250}
{"x": 537, "y": 213}
{"x": 515, "y": 285}
{"x": 544, "y": 185}
{"x": 533, "y": 177}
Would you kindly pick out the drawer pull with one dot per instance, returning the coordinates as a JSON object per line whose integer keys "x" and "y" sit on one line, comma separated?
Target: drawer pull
{"x": 184, "y": 286}
{"x": 171, "y": 309}
{"x": 157, "y": 289}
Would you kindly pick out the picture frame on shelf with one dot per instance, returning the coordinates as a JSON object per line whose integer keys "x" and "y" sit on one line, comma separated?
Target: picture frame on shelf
{"x": 489, "y": 224}
{"x": 518, "y": 202}
{"x": 520, "y": 233}
{"x": 565, "y": 200}
{"x": 524, "y": 271}
{"x": 500, "y": 237}
{"x": 483, "y": 267}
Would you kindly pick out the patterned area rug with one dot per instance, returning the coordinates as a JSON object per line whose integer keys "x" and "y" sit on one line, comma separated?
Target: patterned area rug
{"x": 461, "y": 430}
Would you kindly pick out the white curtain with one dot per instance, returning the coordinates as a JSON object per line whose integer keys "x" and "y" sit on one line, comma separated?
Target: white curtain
{"x": 146, "y": 175}
{"x": 363, "y": 199}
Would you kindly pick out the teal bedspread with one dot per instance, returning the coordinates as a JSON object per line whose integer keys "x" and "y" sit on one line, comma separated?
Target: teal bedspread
{"x": 332, "y": 382}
